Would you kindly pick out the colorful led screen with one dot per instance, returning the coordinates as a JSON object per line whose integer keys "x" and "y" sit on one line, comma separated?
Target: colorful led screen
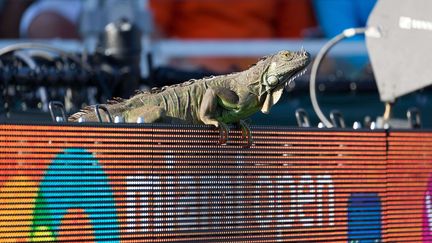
{"x": 153, "y": 183}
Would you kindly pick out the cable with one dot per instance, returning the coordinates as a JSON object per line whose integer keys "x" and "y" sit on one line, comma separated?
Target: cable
{"x": 321, "y": 54}
{"x": 27, "y": 59}
{"x": 31, "y": 45}
{"x": 44, "y": 54}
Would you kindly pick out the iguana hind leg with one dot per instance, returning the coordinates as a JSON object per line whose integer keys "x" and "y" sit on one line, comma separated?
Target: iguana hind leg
{"x": 150, "y": 114}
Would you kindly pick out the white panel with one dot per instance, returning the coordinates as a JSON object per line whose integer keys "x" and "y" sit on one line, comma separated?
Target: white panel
{"x": 402, "y": 57}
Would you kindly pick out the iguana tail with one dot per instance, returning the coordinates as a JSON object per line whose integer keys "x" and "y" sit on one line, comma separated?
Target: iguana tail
{"x": 115, "y": 107}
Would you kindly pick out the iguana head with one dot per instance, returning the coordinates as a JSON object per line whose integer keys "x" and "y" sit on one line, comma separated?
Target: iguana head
{"x": 278, "y": 71}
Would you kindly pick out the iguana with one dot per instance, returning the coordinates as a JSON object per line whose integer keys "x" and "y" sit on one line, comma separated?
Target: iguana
{"x": 216, "y": 100}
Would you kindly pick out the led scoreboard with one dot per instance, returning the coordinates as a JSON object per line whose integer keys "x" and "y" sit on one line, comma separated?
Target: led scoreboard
{"x": 155, "y": 183}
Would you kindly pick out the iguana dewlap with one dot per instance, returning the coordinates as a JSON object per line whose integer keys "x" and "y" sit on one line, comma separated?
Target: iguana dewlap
{"x": 214, "y": 100}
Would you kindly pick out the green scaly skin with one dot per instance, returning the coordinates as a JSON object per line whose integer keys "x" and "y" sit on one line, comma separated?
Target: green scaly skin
{"x": 216, "y": 100}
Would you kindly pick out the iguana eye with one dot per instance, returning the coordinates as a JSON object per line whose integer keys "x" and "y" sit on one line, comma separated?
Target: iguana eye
{"x": 272, "y": 80}
{"x": 288, "y": 56}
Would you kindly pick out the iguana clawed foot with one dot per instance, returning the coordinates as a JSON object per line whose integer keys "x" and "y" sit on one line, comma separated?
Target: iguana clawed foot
{"x": 246, "y": 133}
{"x": 223, "y": 133}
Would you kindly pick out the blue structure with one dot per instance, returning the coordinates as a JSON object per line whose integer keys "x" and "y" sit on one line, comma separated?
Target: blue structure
{"x": 75, "y": 179}
{"x": 336, "y": 15}
{"x": 364, "y": 218}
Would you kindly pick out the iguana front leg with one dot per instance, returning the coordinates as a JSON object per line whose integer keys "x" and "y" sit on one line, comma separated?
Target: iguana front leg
{"x": 213, "y": 100}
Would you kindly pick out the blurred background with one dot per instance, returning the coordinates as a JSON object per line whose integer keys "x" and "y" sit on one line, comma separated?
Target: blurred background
{"x": 106, "y": 48}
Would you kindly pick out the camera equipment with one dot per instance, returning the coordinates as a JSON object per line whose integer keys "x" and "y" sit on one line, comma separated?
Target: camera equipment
{"x": 34, "y": 73}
